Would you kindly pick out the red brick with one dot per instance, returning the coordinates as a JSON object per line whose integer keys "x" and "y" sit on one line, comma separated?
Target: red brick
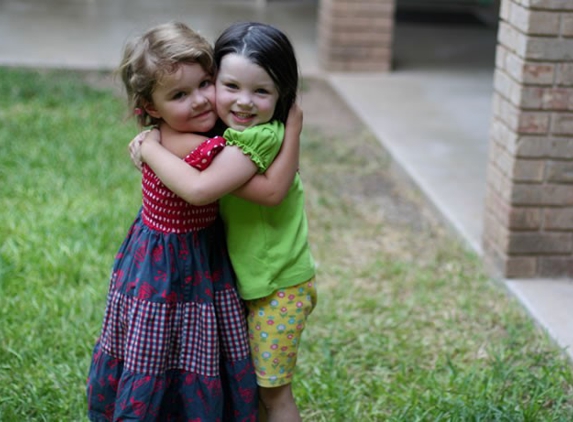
{"x": 557, "y": 99}
{"x": 495, "y": 232}
{"x": 360, "y": 39}
{"x": 544, "y": 147}
{"x": 538, "y": 73}
{"x": 567, "y": 25}
{"x": 530, "y": 97}
{"x": 556, "y": 267}
{"x": 499, "y": 182}
{"x": 550, "y": 4}
{"x": 507, "y": 112}
{"x": 500, "y": 133}
{"x": 499, "y": 265}
{"x": 533, "y": 122}
{"x": 506, "y": 86}
{"x": 524, "y": 218}
{"x": 565, "y": 74}
{"x": 533, "y": 21}
{"x": 560, "y": 172}
{"x": 542, "y": 195}
{"x": 512, "y": 38}
{"x": 547, "y": 48}
{"x": 527, "y": 72}
{"x": 369, "y": 24}
{"x": 546, "y": 98}
{"x": 520, "y": 267}
{"x": 540, "y": 243}
{"x": 558, "y": 218}
{"x": 503, "y": 161}
{"x": 496, "y": 207}
{"x": 528, "y": 170}
{"x": 356, "y": 35}
{"x": 501, "y": 57}
{"x": 505, "y": 10}
{"x": 562, "y": 124}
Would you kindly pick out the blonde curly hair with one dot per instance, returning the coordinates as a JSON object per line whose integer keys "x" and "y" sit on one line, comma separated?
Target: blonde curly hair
{"x": 159, "y": 52}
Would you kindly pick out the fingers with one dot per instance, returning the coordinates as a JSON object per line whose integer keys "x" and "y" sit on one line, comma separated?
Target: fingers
{"x": 153, "y": 135}
{"x": 295, "y": 118}
{"x": 135, "y": 149}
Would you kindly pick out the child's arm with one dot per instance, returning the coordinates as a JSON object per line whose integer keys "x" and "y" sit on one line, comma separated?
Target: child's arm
{"x": 231, "y": 169}
{"x": 271, "y": 187}
{"x": 180, "y": 146}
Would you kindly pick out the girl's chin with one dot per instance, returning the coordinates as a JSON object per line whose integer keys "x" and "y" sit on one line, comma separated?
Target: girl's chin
{"x": 236, "y": 122}
{"x": 204, "y": 126}
{"x": 241, "y": 125}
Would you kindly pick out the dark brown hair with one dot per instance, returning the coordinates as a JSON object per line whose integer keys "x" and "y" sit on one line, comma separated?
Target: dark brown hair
{"x": 269, "y": 48}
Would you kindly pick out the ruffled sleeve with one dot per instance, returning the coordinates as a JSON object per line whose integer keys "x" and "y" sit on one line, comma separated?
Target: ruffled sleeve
{"x": 261, "y": 143}
{"x": 201, "y": 157}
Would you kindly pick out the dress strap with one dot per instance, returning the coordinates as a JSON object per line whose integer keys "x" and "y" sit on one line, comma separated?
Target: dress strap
{"x": 203, "y": 155}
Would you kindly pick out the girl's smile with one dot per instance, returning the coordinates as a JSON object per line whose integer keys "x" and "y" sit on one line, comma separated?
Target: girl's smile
{"x": 243, "y": 118}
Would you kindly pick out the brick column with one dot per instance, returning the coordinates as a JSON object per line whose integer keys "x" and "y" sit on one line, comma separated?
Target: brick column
{"x": 355, "y": 35}
{"x": 528, "y": 228}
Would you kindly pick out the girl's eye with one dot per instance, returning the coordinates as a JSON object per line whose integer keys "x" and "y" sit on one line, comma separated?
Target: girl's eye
{"x": 262, "y": 91}
{"x": 231, "y": 86}
{"x": 179, "y": 95}
{"x": 205, "y": 84}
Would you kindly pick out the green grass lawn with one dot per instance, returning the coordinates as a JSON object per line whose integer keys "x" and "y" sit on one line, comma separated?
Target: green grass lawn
{"x": 408, "y": 327}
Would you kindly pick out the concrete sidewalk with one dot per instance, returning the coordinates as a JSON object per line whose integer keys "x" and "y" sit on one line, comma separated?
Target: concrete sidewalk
{"x": 432, "y": 113}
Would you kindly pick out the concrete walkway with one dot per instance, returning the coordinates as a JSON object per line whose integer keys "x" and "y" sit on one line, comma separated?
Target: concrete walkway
{"x": 432, "y": 113}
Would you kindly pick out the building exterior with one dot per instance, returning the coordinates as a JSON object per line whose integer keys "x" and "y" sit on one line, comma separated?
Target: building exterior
{"x": 529, "y": 204}
{"x": 528, "y": 227}
{"x": 355, "y": 35}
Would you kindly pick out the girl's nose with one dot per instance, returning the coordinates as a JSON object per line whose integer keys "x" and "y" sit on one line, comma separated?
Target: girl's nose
{"x": 244, "y": 100}
{"x": 198, "y": 99}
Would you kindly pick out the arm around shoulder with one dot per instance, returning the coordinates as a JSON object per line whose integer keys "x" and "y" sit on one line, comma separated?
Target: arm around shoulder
{"x": 229, "y": 170}
{"x": 271, "y": 187}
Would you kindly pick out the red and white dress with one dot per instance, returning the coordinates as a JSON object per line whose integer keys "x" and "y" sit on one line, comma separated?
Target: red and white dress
{"x": 173, "y": 346}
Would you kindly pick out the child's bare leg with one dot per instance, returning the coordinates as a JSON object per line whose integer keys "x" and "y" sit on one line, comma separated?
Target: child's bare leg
{"x": 279, "y": 403}
{"x": 262, "y": 412}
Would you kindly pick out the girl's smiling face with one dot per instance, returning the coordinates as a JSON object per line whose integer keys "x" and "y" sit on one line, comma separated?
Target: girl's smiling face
{"x": 185, "y": 99}
{"x": 246, "y": 94}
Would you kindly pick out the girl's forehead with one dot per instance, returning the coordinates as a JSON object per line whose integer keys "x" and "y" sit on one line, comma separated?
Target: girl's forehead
{"x": 237, "y": 59}
{"x": 240, "y": 65}
{"x": 184, "y": 76}
{"x": 182, "y": 71}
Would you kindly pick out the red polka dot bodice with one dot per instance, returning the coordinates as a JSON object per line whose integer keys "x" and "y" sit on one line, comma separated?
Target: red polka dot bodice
{"x": 166, "y": 212}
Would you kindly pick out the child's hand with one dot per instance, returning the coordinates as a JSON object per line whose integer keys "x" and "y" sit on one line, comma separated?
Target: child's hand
{"x": 151, "y": 136}
{"x": 135, "y": 149}
{"x": 294, "y": 119}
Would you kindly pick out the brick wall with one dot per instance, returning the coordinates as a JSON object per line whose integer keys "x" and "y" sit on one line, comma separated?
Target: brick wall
{"x": 355, "y": 35}
{"x": 528, "y": 228}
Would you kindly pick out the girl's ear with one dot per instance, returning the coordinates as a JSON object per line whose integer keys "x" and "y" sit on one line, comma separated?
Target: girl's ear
{"x": 151, "y": 110}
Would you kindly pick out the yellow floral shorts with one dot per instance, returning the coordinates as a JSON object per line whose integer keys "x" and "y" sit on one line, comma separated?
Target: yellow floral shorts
{"x": 276, "y": 323}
